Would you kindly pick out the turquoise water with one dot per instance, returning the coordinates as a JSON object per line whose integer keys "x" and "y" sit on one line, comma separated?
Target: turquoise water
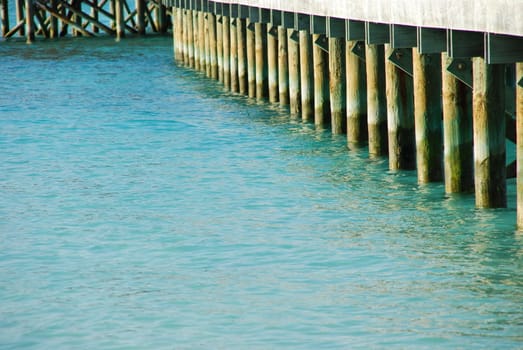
{"x": 143, "y": 207}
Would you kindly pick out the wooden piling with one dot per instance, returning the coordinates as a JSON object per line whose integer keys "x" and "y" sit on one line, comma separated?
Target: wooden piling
{"x": 357, "y": 133}
{"x": 400, "y": 116}
{"x": 235, "y": 84}
{"x": 186, "y": 35}
{"x": 457, "y": 132}
{"x": 197, "y": 31}
{"x": 140, "y": 16}
{"x": 489, "y": 134}
{"x": 202, "y": 37}
{"x": 20, "y": 16}
{"x": 307, "y": 76}
{"x": 119, "y": 19}
{"x": 207, "y": 45}
{"x": 29, "y": 21}
{"x": 376, "y": 100}
{"x": 178, "y": 35}
{"x": 241, "y": 32}
{"x": 190, "y": 37}
{"x": 262, "y": 72}
{"x": 94, "y": 15}
{"x": 4, "y": 14}
{"x": 161, "y": 17}
{"x": 76, "y": 5}
{"x": 272, "y": 66}
{"x": 321, "y": 85}
{"x": 293, "y": 48}
{"x": 519, "y": 128}
{"x": 283, "y": 67}
{"x": 428, "y": 116}
{"x": 226, "y": 26}
{"x": 219, "y": 47}
{"x": 213, "y": 58}
{"x": 251, "y": 59}
{"x": 337, "y": 87}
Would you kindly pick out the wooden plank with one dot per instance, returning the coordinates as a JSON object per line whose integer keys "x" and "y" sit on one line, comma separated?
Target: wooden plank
{"x": 402, "y": 37}
{"x": 377, "y": 33}
{"x": 503, "y": 48}
{"x": 16, "y": 28}
{"x": 463, "y": 44}
{"x": 89, "y": 18}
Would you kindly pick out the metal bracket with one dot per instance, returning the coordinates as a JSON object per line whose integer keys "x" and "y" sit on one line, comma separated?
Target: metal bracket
{"x": 322, "y": 42}
{"x": 359, "y": 50}
{"x": 461, "y": 68}
{"x": 402, "y": 58}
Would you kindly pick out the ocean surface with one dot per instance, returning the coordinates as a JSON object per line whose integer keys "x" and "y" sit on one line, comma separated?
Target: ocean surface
{"x": 144, "y": 207}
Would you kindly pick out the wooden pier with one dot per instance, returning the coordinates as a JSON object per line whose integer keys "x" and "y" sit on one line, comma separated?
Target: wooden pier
{"x": 436, "y": 86}
{"x": 59, "y": 18}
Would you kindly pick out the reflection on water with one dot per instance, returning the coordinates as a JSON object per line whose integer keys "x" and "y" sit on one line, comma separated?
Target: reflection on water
{"x": 145, "y": 207}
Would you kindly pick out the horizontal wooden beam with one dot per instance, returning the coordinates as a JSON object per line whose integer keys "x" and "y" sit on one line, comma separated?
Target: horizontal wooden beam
{"x": 336, "y": 27}
{"x": 377, "y": 33}
{"x": 402, "y": 37}
{"x": 432, "y": 40}
{"x": 355, "y": 30}
{"x": 318, "y": 25}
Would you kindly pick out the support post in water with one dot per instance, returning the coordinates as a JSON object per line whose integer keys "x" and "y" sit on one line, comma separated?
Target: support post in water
{"x": 294, "y": 74}
{"x": 337, "y": 87}
{"x": 307, "y": 76}
{"x": 140, "y": 16}
{"x": 202, "y": 37}
{"x": 235, "y": 84}
{"x": 120, "y": 20}
{"x": 197, "y": 35}
{"x": 321, "y": 84}
{"x": 211, "y": 23}
{"x": 262, "y": 86}
{"x": 283, "y": 66}
{"x": 241, "y": 33}
{"x": 226, "y": 26}
{"x": 376, "y": 99}
{"x": 219, "y": 47}
{"x": 489, "y": 134}
{"x": 29, "y": 21}
{"x": 400, "y": 116}
{"x": 272, "y": 66}
{"x": 457, "y": 132}
{"x": 4, "y": 14}
{"x": 185, "y": 25}
{"x": 519, "y": 127}
{"x": 428, "y": 116}
{"x": 190, "y": 37}
{"x": 357, "y": 133}
{"x": 251, "y": 59}
{"x": 20, "y": 16}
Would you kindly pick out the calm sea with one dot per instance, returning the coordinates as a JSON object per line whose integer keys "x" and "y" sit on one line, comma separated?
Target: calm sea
{"x": 144, "y": 207}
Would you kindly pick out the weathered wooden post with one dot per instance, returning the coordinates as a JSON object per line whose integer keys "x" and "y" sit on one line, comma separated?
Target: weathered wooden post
{"x": 321, "y": 83}
{"x": 519, "y": 128}
{"x": 219, "y": 47}
{"x": 428, "y": 116}
{"x": 457, "y": 132}
{"x": 251, "y": 59}
{"x": 376, "y": 99}
{"x": 213, "y": 54}
{"x": 293, "y": 47}
{"x": 185, "y": 16}
{"x": 190, "y": 37}
{"x": 489, "y": 134}
{"x": 161, "y": 17}
{"x": 272, "y": 64}
{"x": 400, "y": 115}
{"x": 77, "y": 5}
{"x": 198, "y": 34}
{"x": 338, "y": 92}
{"x": 4, "y": 14}
{"x": 357, "y": 133}
{"x": 207, "y": 45}
{"x": 226, "y": 28}
{"x": 262, "y": 72}
{"x": 306, "y": 76}
{"x": 20, "y": 16}
{"x": 235, "y": 84}
{"x": 140, "y": 16}
{"x": 241, "y": 32}
{"x": 283, "y": 67}
{"x": 29, "y": 21}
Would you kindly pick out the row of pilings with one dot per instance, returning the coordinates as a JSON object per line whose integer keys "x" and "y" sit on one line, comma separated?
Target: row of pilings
{"x": 422, "y": 117}
{"x": 58, "y": 18}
